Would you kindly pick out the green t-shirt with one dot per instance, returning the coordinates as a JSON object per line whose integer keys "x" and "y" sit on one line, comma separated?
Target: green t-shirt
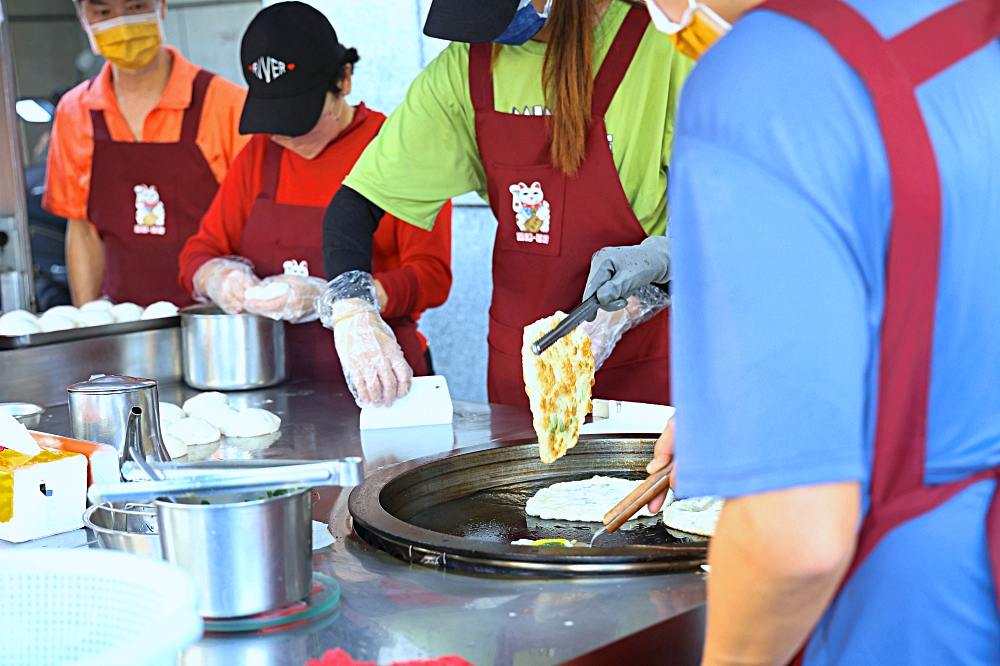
{"x": 426, "y": 151}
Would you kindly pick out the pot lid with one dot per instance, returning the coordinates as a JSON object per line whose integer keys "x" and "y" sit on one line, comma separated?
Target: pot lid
{"x": 111, "y": 384}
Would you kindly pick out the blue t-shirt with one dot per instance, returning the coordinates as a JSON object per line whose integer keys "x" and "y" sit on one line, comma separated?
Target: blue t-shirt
{"x": 780, "y": 206}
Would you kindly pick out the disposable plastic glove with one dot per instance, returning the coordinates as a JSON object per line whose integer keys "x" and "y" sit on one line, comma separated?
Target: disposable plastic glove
{"x": 609, "y": 326}
{"x": 373, "y": 362}
{"x": 288, "y": 297}
{"x": 224, "y": 281}
{"x": 618, "y": 272}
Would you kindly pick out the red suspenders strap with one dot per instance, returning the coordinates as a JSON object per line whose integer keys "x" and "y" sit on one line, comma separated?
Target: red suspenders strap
{"x": 481, "y": 76}
{"x": 270, "y": 170}
{"x": 930, "y": 46}
{"x": 192, "y": 115}
{"x": 618, "y": 59}
{"x": 914, "y": 241}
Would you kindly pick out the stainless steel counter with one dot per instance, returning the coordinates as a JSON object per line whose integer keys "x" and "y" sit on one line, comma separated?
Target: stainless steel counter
{"x": 393, "y": 611}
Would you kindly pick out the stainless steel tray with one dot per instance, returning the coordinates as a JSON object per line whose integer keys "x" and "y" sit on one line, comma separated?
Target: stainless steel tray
{"x": 462, "y": 512}
{"x": 87, "y": 332}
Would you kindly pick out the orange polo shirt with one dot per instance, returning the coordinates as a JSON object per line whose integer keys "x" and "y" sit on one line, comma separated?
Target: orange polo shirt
{"x": 71, "y": 151}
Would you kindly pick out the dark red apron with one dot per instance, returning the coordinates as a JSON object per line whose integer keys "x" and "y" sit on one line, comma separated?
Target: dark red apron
{"x": 542, "y": 250}
{"x": 142, "y": 241}
{"x": 276, "y": 232}
{"x": 892, "y": 69}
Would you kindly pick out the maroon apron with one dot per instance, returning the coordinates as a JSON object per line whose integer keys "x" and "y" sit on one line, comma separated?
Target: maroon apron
{"x": 549, "y": 224}
{"x": 276, "y": 232}
{"x": 146, "y": 199}
{"x": 891, "y": 69}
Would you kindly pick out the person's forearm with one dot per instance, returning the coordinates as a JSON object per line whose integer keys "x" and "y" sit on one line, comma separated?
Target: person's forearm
{"x": 777, "y": 560}
{"x": 84, "y": 261}
{"x": 348, "y": 227}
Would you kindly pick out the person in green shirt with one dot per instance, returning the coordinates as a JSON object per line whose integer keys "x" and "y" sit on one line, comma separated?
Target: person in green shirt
{"x": 559, "y": 113}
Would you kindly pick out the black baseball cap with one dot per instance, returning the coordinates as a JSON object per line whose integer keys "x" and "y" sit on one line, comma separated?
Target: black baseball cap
{"x": 465, "y": 21}
{"x": 290, "y": 55}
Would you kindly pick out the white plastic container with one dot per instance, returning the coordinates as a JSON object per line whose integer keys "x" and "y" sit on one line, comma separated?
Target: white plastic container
{"x": 85, "y": 607}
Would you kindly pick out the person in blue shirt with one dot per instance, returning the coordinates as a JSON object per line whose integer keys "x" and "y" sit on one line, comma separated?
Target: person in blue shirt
{"x": 835, "y": 234}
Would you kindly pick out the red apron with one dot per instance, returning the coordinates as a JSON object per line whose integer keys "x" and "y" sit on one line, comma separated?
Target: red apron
{"x": 892, "y": 69}
{"x": 276, "y": 232}
{"x": 540, "y": 264}
{"x": 146, "y": 199}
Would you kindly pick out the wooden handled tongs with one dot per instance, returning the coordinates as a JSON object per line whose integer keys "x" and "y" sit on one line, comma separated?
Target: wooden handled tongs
{"x": 658, "y": 482}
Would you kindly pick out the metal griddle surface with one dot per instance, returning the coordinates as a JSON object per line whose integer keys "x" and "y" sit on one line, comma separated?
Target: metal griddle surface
{"x": 463, "y": 511}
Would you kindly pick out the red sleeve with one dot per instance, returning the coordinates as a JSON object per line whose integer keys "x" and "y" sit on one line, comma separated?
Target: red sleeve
{"x": 221, "y": 228}
{"x": 423, "y": 278}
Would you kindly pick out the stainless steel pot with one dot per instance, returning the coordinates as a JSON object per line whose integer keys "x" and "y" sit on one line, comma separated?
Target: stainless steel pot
{"x": 99, "y": 411}
{"x": 247, "y": 555}
{"x": 123, "y": 526}
{"x": 224, "y": 352}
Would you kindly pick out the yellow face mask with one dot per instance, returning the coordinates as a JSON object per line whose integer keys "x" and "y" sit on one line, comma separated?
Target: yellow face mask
{"x": 130, "y": 42}
{"x": 697, "y": 30}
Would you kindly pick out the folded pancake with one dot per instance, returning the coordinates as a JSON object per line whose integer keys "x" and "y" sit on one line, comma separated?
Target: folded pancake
{"x": 697, "y": 515}
{"x": 558, "y": 382}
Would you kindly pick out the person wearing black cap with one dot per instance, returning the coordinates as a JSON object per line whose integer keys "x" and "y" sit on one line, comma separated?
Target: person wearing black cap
{"x": 560, "y": 114}
{"x": 259, "y": 247}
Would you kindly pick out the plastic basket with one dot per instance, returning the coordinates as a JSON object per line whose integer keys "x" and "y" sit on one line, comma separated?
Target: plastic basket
{"x": 90, "y": 607}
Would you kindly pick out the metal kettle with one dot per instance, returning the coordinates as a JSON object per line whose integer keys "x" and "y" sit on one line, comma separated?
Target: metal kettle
{"x": 99, "y": 411}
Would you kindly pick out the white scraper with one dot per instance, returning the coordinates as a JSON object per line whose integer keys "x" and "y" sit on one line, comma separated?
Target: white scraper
{"x": 427, "y": 403}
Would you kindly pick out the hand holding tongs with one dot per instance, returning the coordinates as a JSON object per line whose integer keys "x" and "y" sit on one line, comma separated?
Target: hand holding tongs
{"x": 657, "y": 482}
{"x": 577, "y": 316}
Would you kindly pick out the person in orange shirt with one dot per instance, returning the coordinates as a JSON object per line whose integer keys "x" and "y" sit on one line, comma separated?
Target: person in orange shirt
{"x": 260, "y": 245}
{"x": 137, "y": 154}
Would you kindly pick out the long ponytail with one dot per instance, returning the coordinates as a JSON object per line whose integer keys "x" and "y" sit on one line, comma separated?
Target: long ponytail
{"x": 569, "y": 81}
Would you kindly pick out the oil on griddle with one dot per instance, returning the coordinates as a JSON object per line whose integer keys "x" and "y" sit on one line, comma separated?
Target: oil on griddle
{"x": 497, "y": 515}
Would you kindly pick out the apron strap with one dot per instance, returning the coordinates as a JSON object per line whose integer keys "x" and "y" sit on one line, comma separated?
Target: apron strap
{"x": 914, "y": 240}
{"x": 618, "y": 59}
{"x": 100, "y": 125}
{"x": 946, "y": 37}
{"x": 192, "y": 115}
{"x": 481, "y": 76}
{"x": 270, "y": 170}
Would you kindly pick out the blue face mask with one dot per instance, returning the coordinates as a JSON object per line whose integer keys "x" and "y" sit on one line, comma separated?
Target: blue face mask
{"x": 526, "y": 24}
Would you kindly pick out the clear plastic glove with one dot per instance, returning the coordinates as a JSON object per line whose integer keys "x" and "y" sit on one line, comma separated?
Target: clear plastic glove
{"x": 288, "y": 297}
{"x": 618, "y": 272}
{"x": 373, "y": 362}
{"x": 224, "y": 281}
{"x": 608, "y": 327}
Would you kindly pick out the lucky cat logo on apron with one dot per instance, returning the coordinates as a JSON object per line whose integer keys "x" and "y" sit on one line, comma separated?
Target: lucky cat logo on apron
{"x": 297, "y": 268}
{"x": 531, "y": 212}
{"x": 150, "y": 217}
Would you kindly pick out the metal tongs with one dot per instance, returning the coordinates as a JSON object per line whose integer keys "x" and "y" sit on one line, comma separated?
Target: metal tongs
{"x": 656, "y": 483}
{"x": 208, "y": 478}
{"x": 577, "y": 316}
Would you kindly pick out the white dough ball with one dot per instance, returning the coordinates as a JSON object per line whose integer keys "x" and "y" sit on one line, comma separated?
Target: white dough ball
{"x": 251, "y": 422}
{"x": 63, "y": 311}
{"x": 160, "y": 309}
{"x": 273, "y": 290}
{"x": 205, "y": 403}
{"x": 170, "y": 413}
{"x": 94, "y": 317}
{"x": 53, "y": 321}
{"x": 219, "y": 415}
{"x": 175, "y": 446}
{"x": 126, "y": 312}
{"x": 19, "y": 322}
{"x": 193, "y": 431}
{"x": 99, "y": 304}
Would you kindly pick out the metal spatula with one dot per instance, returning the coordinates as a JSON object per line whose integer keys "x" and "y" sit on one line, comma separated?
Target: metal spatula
{"x": 656, "y": 483}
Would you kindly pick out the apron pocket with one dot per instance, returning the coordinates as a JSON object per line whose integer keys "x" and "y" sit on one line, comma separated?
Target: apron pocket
{"x": 528, "y": 204}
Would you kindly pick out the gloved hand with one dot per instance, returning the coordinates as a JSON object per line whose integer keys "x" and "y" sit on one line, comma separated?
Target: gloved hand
{"x": 373, "y": 362}
{"x": 223, "y": 281}
{"x": 618, "y": 272}
{"x": 608, "y": 327}
{"x": 288, "y": 297}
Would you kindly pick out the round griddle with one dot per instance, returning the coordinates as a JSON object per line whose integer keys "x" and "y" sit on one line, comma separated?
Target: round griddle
{"x": 462, "y": 511}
